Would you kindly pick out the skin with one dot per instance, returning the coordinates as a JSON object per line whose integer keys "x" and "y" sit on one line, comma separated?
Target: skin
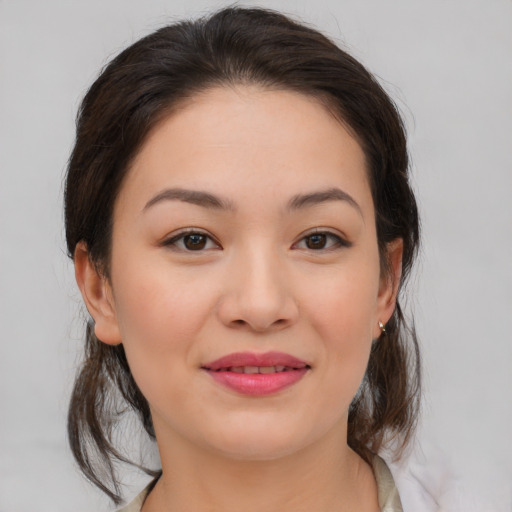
{"x": 259, "y": 283}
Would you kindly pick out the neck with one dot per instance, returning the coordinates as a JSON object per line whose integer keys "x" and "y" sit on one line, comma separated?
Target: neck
{"x": 327, "y": 476}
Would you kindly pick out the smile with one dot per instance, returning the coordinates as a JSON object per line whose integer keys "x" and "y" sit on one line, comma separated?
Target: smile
{"x": 257, "y": 369}
{"x": 257, "y": 374}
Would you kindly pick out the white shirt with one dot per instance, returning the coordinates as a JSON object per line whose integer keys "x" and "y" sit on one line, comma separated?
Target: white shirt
{"x": 389, "y": 499}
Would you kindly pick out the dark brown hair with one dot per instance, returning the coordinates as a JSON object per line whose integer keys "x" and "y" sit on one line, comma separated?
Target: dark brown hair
{"x": 140, "y": 87}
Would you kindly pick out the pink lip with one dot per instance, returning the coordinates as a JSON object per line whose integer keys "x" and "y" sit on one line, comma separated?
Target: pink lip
{"x": 257, "y": 384}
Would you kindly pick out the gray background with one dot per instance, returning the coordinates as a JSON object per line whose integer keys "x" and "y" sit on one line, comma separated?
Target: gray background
{"x": 447, "y": 63}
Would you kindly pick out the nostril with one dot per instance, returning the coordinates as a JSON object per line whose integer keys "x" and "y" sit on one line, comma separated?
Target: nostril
{"x": 240, "y": 323}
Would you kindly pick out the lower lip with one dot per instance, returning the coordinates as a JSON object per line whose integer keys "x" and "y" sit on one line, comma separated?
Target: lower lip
{"x": 258, "y": 384}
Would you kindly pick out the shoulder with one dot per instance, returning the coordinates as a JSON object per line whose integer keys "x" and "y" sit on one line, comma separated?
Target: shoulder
{"x": 136, "y": 504}
{"x": 428, "y": 482}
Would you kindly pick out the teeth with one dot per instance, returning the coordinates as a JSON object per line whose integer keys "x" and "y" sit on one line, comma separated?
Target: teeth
{"x": 257, "y": 369}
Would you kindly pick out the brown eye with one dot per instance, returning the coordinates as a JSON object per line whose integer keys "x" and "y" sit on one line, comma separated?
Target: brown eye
{"x": 316, "y": 241}
{"x": 195, "y": 242}
{"x": 191, "y": 241}
{"x": 322, "y": 241}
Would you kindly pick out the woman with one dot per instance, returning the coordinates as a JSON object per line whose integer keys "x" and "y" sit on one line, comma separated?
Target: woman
{"x": 241, "y": 223}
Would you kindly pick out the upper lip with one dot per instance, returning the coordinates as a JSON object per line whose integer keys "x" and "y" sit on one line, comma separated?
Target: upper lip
{"x": 238, "y": 359}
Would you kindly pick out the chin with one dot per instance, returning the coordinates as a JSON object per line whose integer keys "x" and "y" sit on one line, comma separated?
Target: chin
{"x": 257, "y": 441}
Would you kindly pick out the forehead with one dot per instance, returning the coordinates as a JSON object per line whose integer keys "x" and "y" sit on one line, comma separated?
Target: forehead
{"x": 226, "y": 138}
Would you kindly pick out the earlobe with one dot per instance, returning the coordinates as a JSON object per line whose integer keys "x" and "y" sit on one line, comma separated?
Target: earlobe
{"x": 389, "y": 284}
{"x": 97, "y": 295}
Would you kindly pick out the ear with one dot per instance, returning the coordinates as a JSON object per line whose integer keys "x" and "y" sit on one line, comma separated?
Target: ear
{"x": 97, "y": 294}
{"x": 389, "y": 284}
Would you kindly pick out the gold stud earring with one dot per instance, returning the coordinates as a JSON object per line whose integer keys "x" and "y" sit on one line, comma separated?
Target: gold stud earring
{"x": 382, "y": 327}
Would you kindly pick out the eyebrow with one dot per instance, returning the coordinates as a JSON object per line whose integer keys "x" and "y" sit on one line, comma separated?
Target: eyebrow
{"x": 332, "y": 194}
{"x": 197, "y": 197}
{"x": 211, "y": 201}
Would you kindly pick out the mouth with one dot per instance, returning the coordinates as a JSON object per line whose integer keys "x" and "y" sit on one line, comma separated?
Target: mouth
{"x": 257, "y": 374}
{"x": 264, "y": 370}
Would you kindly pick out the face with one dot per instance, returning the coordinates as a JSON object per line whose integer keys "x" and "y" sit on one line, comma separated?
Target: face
{"x": 244, "y": 241}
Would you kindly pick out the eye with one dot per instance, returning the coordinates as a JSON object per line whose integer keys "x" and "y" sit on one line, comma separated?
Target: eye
{"x": 321, "y": 240}
{"x": 191, "y": 241}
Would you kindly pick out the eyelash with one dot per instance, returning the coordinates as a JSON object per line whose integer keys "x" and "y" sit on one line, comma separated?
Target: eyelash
{"x": 337, "y": 241}
{"x": 181, "y": 236}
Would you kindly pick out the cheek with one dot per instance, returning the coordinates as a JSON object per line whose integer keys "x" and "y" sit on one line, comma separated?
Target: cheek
{"x": 344, "y": 307}
{"x": 159, "y": 315}
{"x": 343, "y": 316}
{"x": 154, "y": 304}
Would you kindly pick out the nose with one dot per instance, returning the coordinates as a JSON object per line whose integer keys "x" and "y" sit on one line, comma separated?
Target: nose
{"x": 258, "y": 294}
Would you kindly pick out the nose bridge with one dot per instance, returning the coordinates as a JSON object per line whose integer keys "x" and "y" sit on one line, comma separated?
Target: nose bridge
{"x": 262, "y": 269}
{"x": 260, "y": 297}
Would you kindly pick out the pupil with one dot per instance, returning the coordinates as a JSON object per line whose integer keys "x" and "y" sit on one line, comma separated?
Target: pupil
{"x": 195, "y": 242}
{"x": 316, "y": 241}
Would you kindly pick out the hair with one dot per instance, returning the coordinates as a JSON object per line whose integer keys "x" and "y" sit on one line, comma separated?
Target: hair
{"x": 141, "y": 86}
